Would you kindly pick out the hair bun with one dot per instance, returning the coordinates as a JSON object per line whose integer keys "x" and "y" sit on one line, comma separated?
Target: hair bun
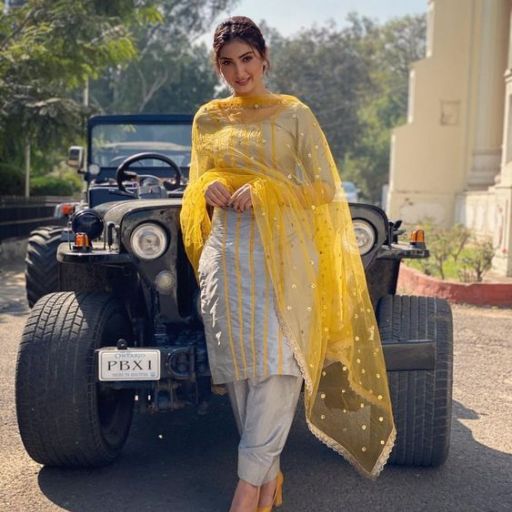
{"x": 242, "y": 28}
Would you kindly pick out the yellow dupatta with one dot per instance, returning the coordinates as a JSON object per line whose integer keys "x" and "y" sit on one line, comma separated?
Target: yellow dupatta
{"x": 275, "y": 143}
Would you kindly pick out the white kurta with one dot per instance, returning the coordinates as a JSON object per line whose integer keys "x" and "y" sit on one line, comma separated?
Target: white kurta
{"x": 242, "y": 332}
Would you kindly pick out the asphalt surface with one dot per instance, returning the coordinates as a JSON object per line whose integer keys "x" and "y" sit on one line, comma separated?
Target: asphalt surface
{"x": 186, "y": 462}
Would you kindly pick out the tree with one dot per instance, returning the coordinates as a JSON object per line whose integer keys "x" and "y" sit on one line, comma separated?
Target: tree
{"x": 137, "y": 55}
{"x": 141, "y": 56}
{"x": 355, "y": 79}
{"x": 170, "y": 72}
{"x": 389, "y": 52}
{"x": 49, "y": 48}
{"x": 326, "y": 68}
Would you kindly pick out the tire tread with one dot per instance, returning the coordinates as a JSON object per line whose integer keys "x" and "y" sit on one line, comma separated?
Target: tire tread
{"x": 421, "y": 399}
{"x": 56, "y": 390}
{"x": 41, "y": 267}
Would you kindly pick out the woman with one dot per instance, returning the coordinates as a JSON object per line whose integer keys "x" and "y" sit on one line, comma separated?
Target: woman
{"x": 283, "y": 292}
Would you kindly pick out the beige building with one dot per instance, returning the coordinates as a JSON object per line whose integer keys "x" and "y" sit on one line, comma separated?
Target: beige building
{"x": 452, "y": 161}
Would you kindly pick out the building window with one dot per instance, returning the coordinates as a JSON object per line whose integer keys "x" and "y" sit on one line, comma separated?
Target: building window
{"x": 450, "y": 113}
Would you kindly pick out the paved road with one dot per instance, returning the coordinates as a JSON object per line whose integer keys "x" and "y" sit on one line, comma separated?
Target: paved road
{"x": 187, "y": 463}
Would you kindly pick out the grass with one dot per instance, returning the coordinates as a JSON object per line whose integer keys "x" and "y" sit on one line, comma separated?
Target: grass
{"x": 452, "y": 269}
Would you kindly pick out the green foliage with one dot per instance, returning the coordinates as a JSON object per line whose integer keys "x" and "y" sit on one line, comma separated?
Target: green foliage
{"x": 51, "y": 186}
{"x": 11, "y": 180}
{"x": 138, "y": 53}
{"x": 367, "y": 162}
{"x": 49, "y": 48}
{"x": 141, "y": 56}
{"x": 186, "y": 81}
{"x": 461, "y": 235}
{"x": 356, "y": 81}
{"x": 389, "y": 52}
{"x": 455, "y": 253}
{"x": 326, "y": 68}
{"x": 445, "y": 246}
{"x": 64, "y": 172}
{"x": 170, "y": 73}
{"x": 477, "y": 260}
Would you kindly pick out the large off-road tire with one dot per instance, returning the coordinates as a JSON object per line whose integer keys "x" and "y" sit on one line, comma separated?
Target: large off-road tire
{"x": 421, "y": 399}
{"x": 41, "y": 274}
{"x": 65, "y": 418}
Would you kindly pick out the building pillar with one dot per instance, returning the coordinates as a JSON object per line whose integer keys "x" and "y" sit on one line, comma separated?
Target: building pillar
{"x": 431, "y": 155}
{"x": 502, "y": 262}
{"x": 491, "y": 61}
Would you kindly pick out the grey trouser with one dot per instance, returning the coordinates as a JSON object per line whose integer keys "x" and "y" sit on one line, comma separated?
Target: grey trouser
{"x": 264, "y": 409}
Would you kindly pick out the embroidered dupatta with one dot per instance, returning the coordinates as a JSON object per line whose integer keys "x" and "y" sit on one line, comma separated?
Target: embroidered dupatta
{"x": 275, "y": 143}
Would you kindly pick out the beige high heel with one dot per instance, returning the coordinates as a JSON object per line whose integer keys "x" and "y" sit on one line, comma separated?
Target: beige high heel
{"x": 278, "y": 495}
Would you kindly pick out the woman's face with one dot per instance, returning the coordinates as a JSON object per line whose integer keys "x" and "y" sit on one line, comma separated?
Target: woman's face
{"x": 242, "y": 67}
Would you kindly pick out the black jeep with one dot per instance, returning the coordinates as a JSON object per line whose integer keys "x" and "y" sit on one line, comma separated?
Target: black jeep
{"x": 124, "y": 329}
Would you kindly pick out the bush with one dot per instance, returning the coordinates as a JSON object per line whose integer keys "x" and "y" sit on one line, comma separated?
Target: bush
{"x": 63, "y": 172}
{"x": 61, "y": 182}
{"x": 476, "y": 260}
{"x": 455, "y": 252}
{"x": 12, "y": 180}
{"x": 51, "y": 186}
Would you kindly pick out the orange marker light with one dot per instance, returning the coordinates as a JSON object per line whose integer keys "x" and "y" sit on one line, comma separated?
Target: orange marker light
{"x": 82, "y": 240}
{"x": 417, "y": 236}
{"x": 67, "y": 209}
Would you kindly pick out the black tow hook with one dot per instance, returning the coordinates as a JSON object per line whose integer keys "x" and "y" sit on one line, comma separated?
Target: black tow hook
{"x": 122, "y": 344}
{"x": 181, "y": 363}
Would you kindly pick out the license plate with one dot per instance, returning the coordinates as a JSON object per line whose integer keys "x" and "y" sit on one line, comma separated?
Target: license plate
{"x": 129, "y": 364}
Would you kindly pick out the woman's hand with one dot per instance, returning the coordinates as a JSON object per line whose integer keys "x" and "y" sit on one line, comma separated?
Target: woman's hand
{"x": 217, "y": 194}
{"x": 241, "y": 199}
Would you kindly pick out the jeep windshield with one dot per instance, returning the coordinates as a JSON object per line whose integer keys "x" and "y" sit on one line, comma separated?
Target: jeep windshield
{"x": 111, "y": 144}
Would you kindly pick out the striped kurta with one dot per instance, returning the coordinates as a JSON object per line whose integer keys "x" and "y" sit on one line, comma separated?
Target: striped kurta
{"x": 299, "y": 232}
{"x": 237, "y": 303}
{"x": 242, "y": 332}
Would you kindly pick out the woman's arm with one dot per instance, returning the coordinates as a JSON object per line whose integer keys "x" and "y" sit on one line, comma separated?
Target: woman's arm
{"x": 201, "y": 158}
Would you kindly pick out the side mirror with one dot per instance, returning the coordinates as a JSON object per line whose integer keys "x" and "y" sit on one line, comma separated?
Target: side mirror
{"x": 76, "y": 157}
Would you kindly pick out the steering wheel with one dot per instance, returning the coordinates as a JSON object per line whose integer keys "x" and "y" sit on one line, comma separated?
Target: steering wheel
{"x": 117, "y": 160}
{"x": 122, "y": 172}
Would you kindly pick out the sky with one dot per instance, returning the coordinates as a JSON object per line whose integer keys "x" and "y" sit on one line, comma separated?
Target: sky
{"x": 289, "y": 16}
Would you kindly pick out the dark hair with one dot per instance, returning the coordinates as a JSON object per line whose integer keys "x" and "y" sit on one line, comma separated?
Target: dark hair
{"x": 242, "y": 28}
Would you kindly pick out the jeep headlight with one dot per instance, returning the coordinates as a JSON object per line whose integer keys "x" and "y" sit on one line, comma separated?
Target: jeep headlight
{"x": 87, "y": 221}
{"x": 149, "y": 241}
{"x": 365, "y": 235}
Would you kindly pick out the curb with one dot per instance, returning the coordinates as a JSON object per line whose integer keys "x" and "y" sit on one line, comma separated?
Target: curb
{"x": 479, "y": 294}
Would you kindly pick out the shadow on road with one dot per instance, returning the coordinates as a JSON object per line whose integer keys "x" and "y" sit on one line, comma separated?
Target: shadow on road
{"x": 176, "y": 461}
{"x": 185, "y": 462}
{"x": 13, "y": 301}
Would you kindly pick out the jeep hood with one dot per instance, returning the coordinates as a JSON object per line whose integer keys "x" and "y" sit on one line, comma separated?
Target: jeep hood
{"x": 116, "y": 210}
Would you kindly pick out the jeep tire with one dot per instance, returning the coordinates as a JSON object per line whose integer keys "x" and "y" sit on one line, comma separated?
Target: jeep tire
{"x": 41, "y": 273}
{"x": 421, "y": 399}
{"x": 65, "y": 417}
